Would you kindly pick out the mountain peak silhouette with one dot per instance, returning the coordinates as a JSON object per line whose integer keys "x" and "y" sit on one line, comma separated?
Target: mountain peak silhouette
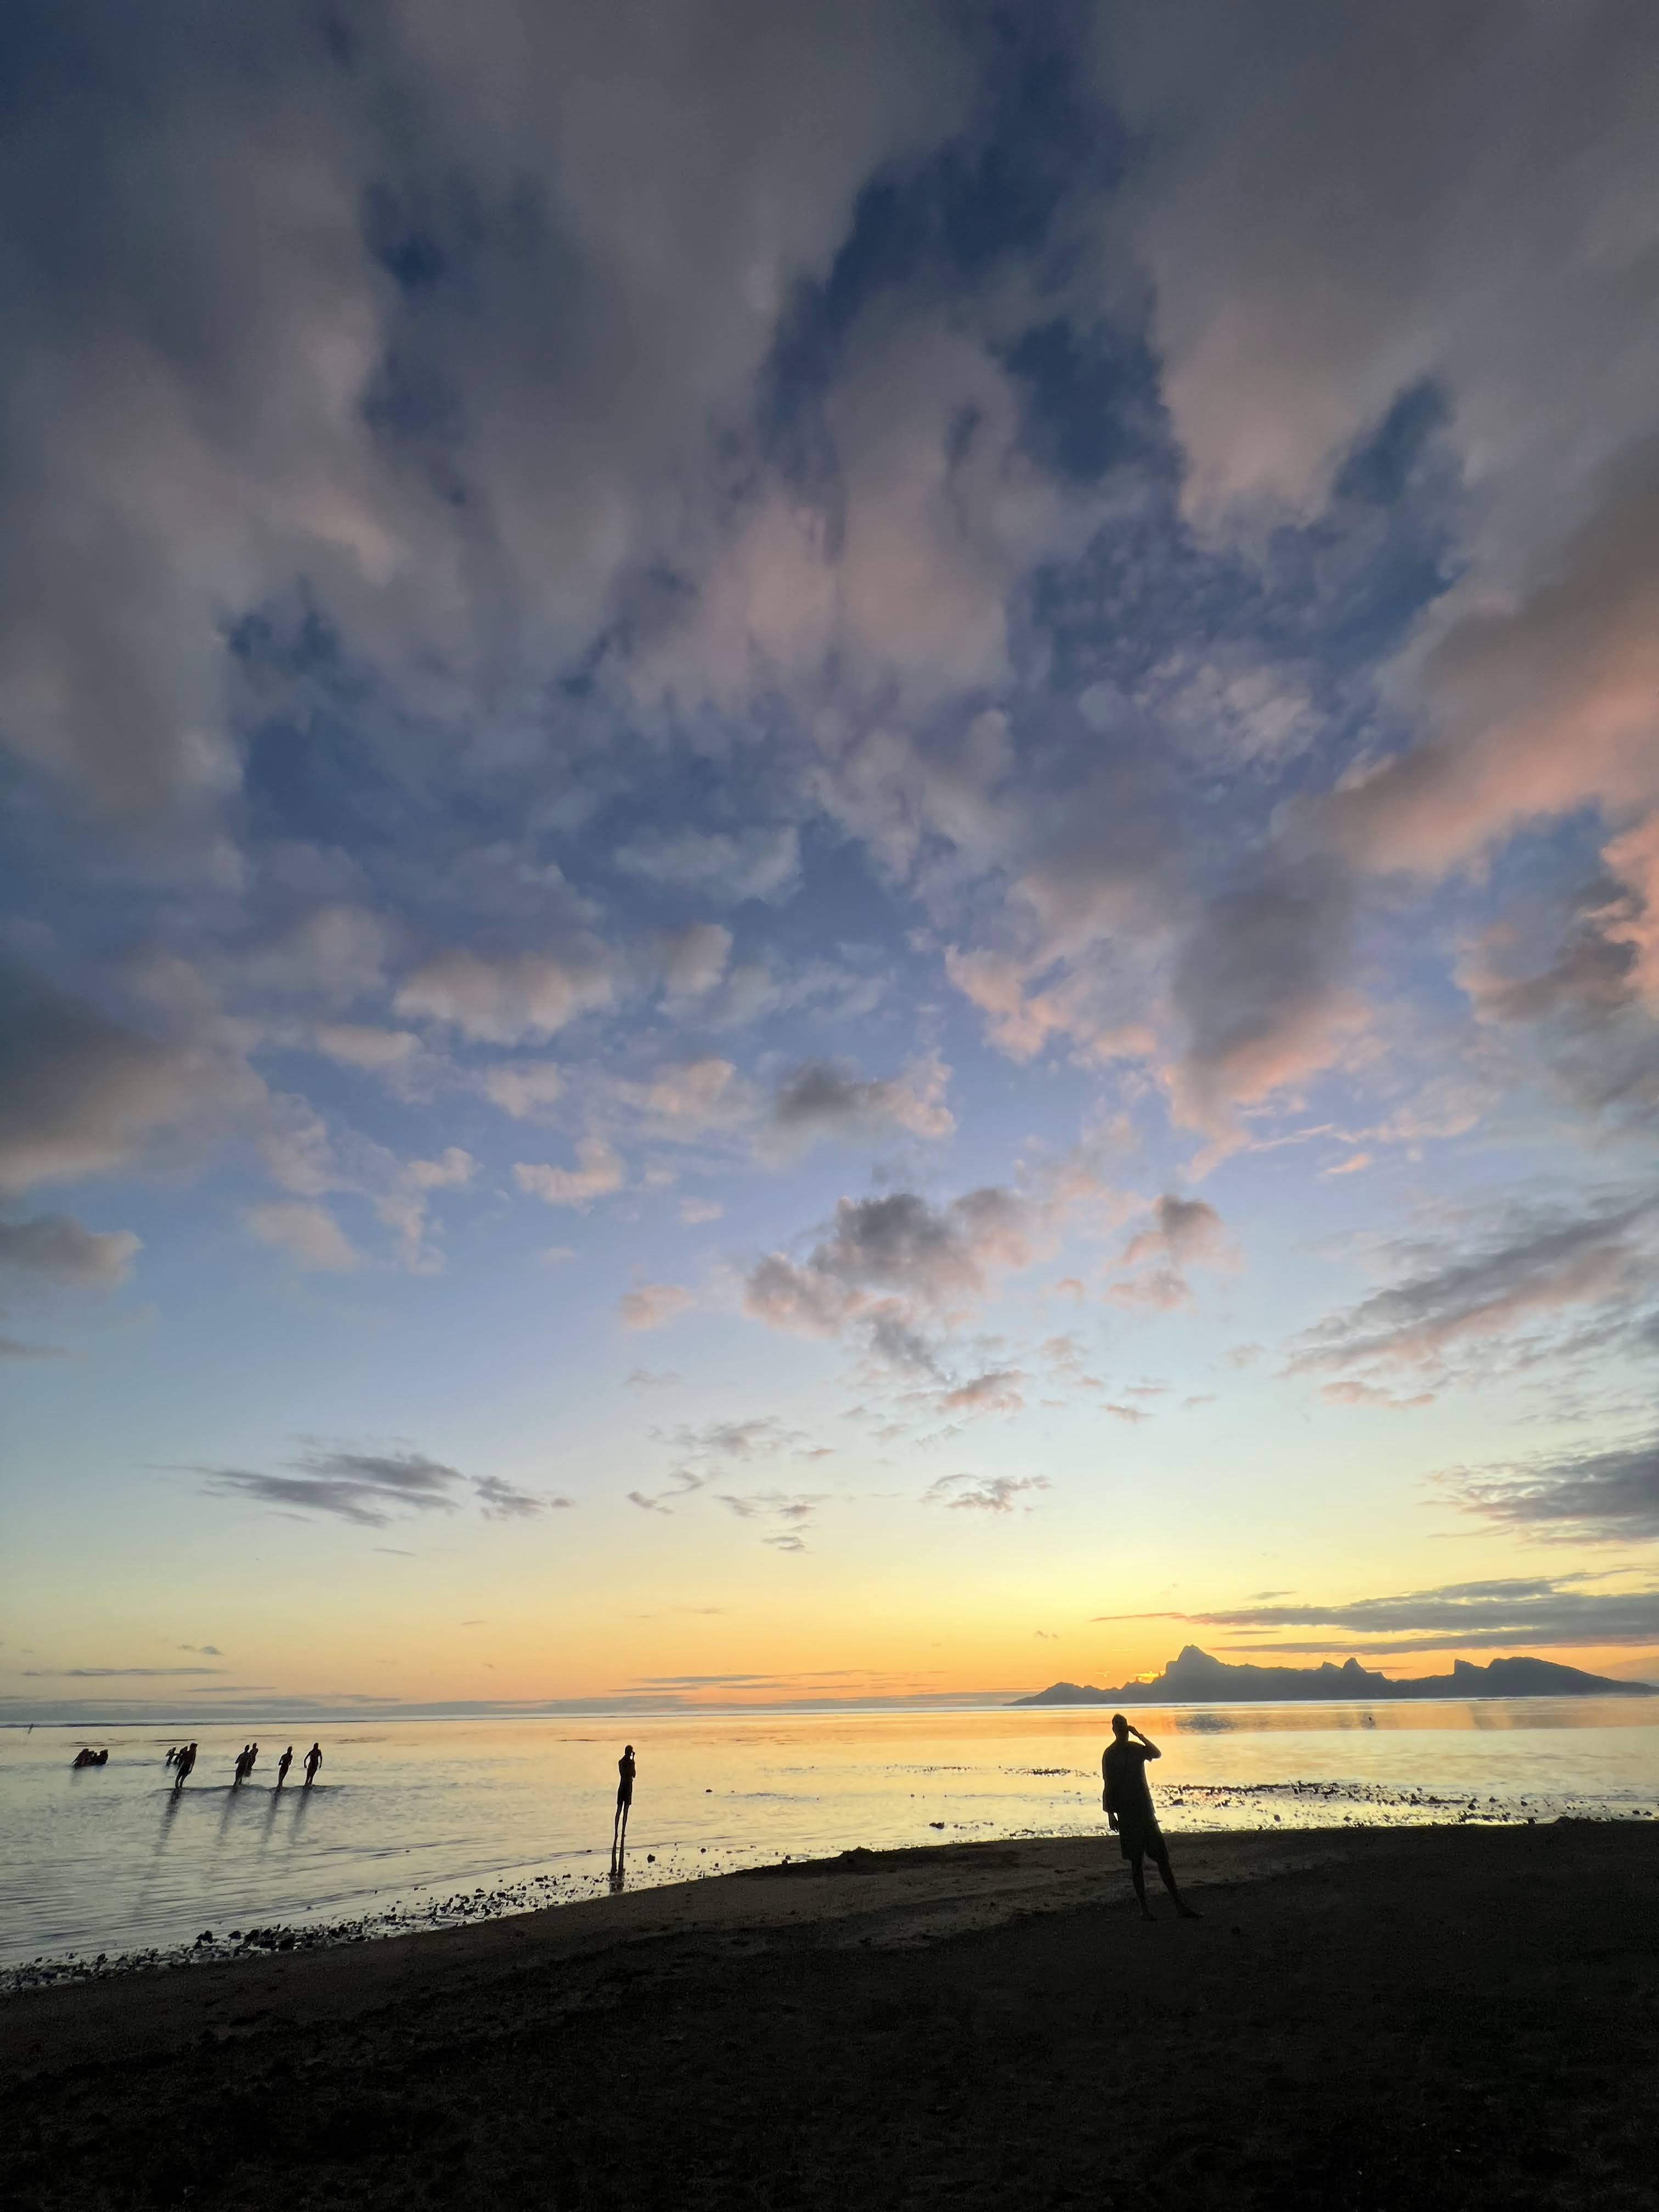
{"x": 1196, "y": 1676}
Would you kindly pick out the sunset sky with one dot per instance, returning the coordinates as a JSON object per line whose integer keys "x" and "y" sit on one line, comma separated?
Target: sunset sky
{"x": 830, "y": 862}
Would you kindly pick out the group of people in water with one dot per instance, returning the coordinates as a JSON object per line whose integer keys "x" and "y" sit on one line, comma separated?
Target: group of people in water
{"x": 182, "y": 1759}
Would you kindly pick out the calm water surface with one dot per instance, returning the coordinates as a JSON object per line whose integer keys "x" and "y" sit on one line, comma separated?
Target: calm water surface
{"x": 417, "y": 1820}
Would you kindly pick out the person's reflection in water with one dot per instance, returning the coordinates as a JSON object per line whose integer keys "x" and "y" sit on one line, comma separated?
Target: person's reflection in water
{"x": 626, "y": 1769}
{"x": 619, "y": 1876}
{"x": 1128, "y": 1803}
{"x": 231, "y": 1796}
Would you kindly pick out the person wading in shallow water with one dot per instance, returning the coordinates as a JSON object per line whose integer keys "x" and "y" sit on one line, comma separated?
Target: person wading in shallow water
{"x": 313, "y": 1760}
{"x": 283, "y": 1764}
{"x": 1128, "y": 1803}
{"x": 625, "y": 1770}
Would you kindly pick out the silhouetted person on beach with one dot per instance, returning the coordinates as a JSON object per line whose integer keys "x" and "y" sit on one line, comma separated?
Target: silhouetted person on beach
{"x": 283, "y": 1764}
{"x": 313, "y": 1760}
{"x": 183, "y": 1760}
{"x": 241, "y": 1768}
{"x": 1128, "y": 1803}
{"x": 625, "y": 1772}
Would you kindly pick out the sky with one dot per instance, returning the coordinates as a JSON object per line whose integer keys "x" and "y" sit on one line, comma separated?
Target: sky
{"x": 830, "y": 853}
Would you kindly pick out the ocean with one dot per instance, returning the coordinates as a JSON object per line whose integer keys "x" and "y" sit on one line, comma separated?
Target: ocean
{"x": 430, "y": 1823}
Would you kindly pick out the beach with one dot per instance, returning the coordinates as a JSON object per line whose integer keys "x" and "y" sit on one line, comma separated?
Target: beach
{"x": 1462, "y": 2016}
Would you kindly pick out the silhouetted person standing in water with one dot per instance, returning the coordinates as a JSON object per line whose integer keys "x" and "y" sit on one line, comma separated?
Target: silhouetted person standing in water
{"x": 625, "y": 1771}
{"x": 1128, "y": 1803}
{"x": 313, "y": 1760}
{"x": 183, "y": 1760}
{"x": 283, "y": 1764}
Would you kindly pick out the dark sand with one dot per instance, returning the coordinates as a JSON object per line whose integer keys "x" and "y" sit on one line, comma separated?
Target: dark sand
{"x": 1422, "y": 2018}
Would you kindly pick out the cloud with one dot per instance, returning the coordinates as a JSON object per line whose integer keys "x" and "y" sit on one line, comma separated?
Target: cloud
{"x": 81, "y": 1094}
{"x": 1260, "y": 986}
{"x": 1182, "y": 1231}
{"x": 643, "y": 1378}
{"x": 1533, "y": 1271}
{"x": 935, "y": 1257}
{"x": 12, "y": 1347}
{"x": 762, "y": 1436}
{"x": 56, "y": 1245}
{"x": 827, "y": 1099}
{"x": 504, "y": 1001}
{"x": 366, "y": 1488}
{"x": 106, "y": 1673}
{"x": 789, "y": 1514}
{"x": 697, "y": 181}
{"x": 1453, "y": 237}
{"x": 1182, "y": 1228}
{"x": 601, "y": 1171}
{"x": 996, "y": 1391}
{"x": 696, "y": 1212}
{"x": 503, "y": 1501}
{"x": 357, "y": 1044}
{"x": 1542, "y": 708}
{"x": 682, "y": 1099}
{"x": 1604, "y": 1495}
{"x": 652, "y": 1305}
{"x": 307, "y": 1233}
{"x": 727, "y": 867}
{"x": 523, "y": 1091}
{"x": 453, "y": 1171}
{"x": 1502, "y": 1614}
{"x": 974, "y": 1493}
{"x": 405, "y": 1207}
{"x": 692, "y": 961}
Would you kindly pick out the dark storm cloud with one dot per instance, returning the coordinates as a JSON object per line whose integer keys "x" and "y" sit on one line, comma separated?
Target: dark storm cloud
{"x": 1602, "y": 1496}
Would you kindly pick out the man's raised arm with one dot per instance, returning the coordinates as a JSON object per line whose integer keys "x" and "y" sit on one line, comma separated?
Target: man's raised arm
{"x": 1152, "y": 1749}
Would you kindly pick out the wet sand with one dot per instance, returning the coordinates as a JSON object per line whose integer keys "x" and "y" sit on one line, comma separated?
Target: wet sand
{"x": 1431, "y": 2017}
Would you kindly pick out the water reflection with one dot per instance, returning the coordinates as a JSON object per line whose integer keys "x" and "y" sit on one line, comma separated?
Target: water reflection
{"x": 450, "y": 1814}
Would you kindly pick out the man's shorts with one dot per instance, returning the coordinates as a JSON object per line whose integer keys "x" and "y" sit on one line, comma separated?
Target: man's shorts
{"x": 1140, "y": 1839}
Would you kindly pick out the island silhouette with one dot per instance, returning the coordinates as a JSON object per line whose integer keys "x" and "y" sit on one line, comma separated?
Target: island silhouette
{"x": 1196, "y": 1678}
